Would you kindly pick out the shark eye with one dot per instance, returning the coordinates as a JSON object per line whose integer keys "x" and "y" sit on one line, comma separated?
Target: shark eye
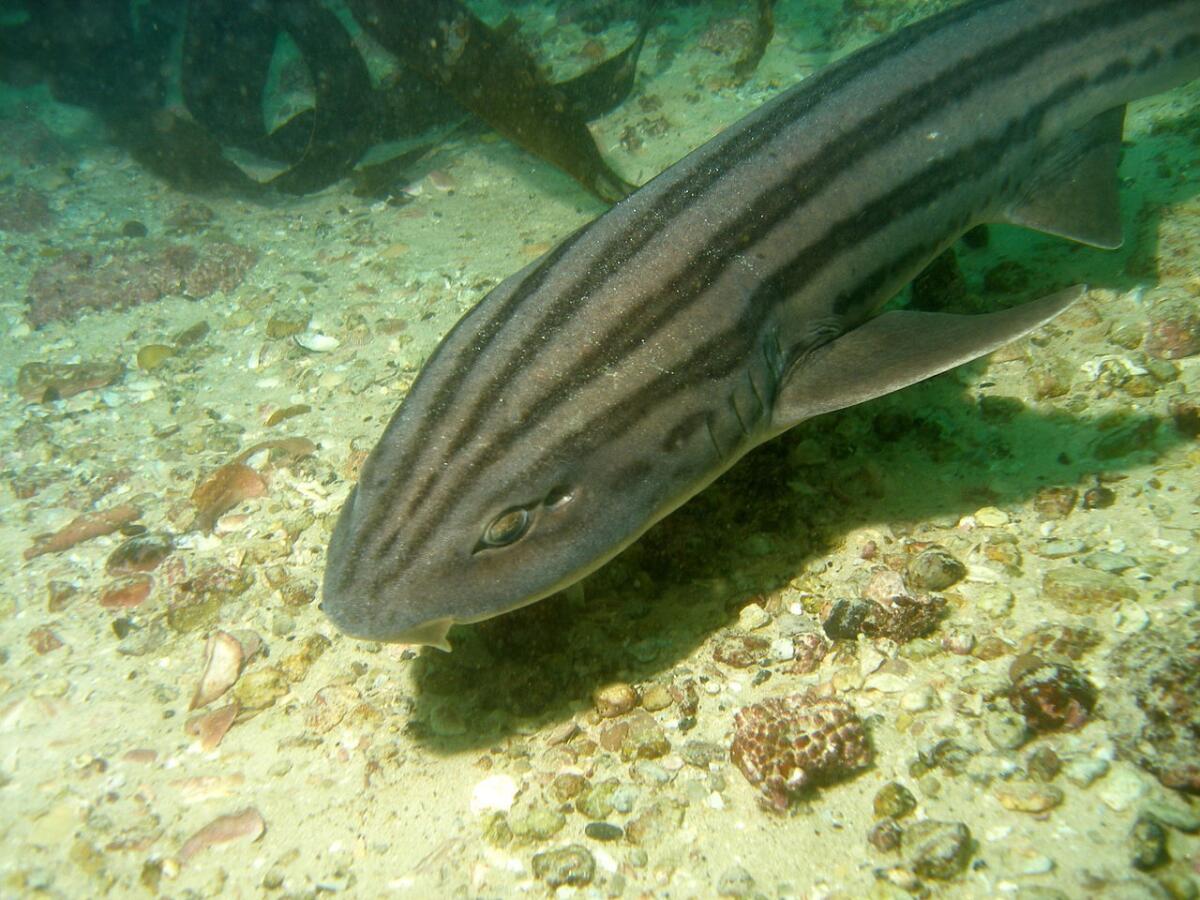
{"x": 558, "y": 496}
{"x": 507, "y": 527}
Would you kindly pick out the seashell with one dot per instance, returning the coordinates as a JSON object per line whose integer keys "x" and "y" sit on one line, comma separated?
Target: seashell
{"x": 315, "y": 342}
{"x": 223, "y": 658}
{"x": 247, "y": 824}
{"x": 210, "y": 727}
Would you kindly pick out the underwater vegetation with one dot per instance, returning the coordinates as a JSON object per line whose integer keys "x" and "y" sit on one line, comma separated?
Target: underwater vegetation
{"x": 115, "y": 58}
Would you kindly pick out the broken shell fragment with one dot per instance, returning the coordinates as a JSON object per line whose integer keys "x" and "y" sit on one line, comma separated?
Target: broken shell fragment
{"x": 314, "y": 342}
{"x": 210, "y": 727}
{"x": 248, "y": 824}
{"x": 223, "y": 658}
{"x": 223, "y": 490}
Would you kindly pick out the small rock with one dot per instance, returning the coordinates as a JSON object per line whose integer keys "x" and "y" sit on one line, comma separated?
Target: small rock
{"x": 736, "y": 882}
{"x": 614, "y": 699}
{"x": 1043, "y": 764}
{"x": 1005, "y": 730}
{"x": 661, "y": 818}
{"x": 742, "y": 650}
{"x": 1107, "y": 561}
{"x": 885, "y": 835}
{"x": 1123, "y": 788}
{"x": 1082, "y": 590}
{"x": 991, "y": 517}
{"x": 565, "y": 787}
{"x": 702, "y": 754}
{"x": 753, "y": 616}
{"x": 645, "y": 738}
{"x": 603, "y": 831}
{"x": 1055, "y": 502}
{"x": 845, "y": 619}
{"x": 572, "y": 865}
{"x": 1178, "y": 816}
{"x": 894, "y": 801}
{"x": 938, "y": 850}
{"x": 918, "y": 700}
{"x": 597, "y": 803}
{"x": 993, "y": 600}
{"x": 494, "y": 793}
{"x": 1030, "y": 798}
{"x": 1148, "y": 841}
{"x": 1050, "y": 695}
{"x": 656, "y": 697}
{"x": 1099, "y": 497}
{"x": 935, "y": 569}
{"x": 536, "y": 822}
{"x": 1085, "y": 771}
{"x": 1061, "y": 549}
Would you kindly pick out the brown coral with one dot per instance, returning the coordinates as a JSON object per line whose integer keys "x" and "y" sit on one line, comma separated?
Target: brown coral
{"x": 785, "y": 745}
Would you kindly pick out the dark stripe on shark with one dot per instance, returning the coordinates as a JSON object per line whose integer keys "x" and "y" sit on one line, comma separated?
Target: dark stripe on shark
{"x": 776, "y": 201}
{"x": 1001, "y": 62}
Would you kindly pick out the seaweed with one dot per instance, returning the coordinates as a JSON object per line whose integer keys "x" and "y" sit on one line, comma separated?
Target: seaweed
{"x": 490, "y": 75}
{"x": 113, "y": 56}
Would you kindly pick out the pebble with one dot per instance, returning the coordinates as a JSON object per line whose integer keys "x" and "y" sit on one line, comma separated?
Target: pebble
{"x": 624, "y": 798}
{"x": 885, "y": 835}
{"x": 918, "y": 700}
{"x": 650, "y": 772}
{"x": 894, "y": 801}
{"x": 603, "y": 831}
{"x": 938, "y": 850}
{"x": 1005, "y": 730}
{"x": 935, "y": 569}
{"x": 753, "y": 616}
{"x": 1122, "y": 789}
{"x": 494, "y": 794}
{"x": 993, "y": 600}
{"x": 1082, "y": 590}
{"x": 660, "y": 819}
{"x": 1107, "y": 561}
{"x": 783, "y": 649}
{"x": 991, "y": 517}
{"x": 1035, "y": 864}
{"x": 735, "y": 882}
{"x": 1180, "y": 817}
{"x": 1085, "y": 771}
{"x": 1131, "y": 619}
{"x": 614, "y": 699}
{"x": 573, "y": 865}
{"x": 1061, "y": 549}
{"x": 887, "y": 683}
{"x": 656, "y": 697}
{"x": 1148, "y": 842}
{"x": 315, "y": 342}
{"x": 1055, "y": 502}
{"x": 537, "y": 822}
{"x": 1029, "y": 798}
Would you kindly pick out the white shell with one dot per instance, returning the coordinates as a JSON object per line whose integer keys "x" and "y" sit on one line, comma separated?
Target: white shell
{"x": 316, "y": 342}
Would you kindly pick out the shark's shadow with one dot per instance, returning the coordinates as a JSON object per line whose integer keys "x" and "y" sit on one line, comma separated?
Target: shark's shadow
{"x": 928, "y": 454}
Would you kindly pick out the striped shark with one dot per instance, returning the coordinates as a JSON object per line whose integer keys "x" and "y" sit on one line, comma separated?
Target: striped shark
{"x": 737, "y": 294}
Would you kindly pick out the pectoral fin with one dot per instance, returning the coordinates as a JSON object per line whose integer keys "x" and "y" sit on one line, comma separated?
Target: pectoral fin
{"x": 900, "y": 348}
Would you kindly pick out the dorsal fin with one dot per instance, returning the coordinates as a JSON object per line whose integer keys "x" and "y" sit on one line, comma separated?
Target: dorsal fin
{"x": 1073, "y": 192}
